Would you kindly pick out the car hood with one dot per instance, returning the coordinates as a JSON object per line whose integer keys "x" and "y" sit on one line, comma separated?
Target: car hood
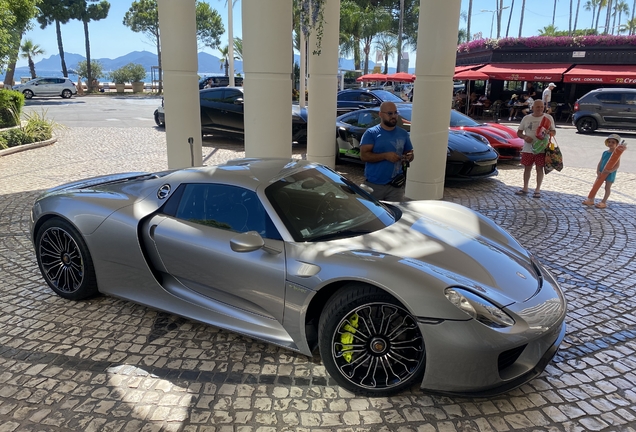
{"x": 299, "y": 112}
{"x": 458, "y": 245}
{"x": 494, "y": 132}
{"x": 461, "y": 141}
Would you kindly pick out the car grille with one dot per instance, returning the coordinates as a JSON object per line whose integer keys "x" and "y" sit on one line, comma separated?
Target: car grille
{"x": 481, "y": 170}
{"x": 508, "y": 151}
{"x": 507, "y": 358}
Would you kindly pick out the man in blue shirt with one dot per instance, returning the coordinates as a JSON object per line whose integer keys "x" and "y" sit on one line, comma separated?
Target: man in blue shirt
{"x": 385, "y": 148}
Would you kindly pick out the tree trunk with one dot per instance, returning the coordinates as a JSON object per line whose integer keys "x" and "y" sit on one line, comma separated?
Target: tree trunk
{"x": 470, "y": 12}
{"x": 399, "y": 36}
{"x": 598, "y": 15}
{"x": 614, "y": 23}
{"x": 631, "y": 31}
{"x": 576, "y": 17}
{"x": 356, "y": 54}
{"x": 523, "y": 8}
{"x": 554, "y": 13}
{"x": 512, "y": 7}
{"x": 89, "y": 72}
{"x": 9, "y": 78}
{"x": 160, "y": 77}
{"x": 32, "y": 68}
{"x": 386, "y": 63}
{"x": 499, "y": 12}
{"x": 60, "y": 47}
{"x": 570, "y": 22}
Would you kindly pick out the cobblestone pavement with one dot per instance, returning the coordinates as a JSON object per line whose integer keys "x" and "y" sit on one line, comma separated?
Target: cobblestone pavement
{"x": 110, "y": 365}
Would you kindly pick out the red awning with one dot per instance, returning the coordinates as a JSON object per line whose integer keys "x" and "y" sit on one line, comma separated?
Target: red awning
{"x": 401, "y": 76}
{"x": 459, "y": 69}
{"x": 371, "y": 77}
{"x": 471, "y": 75}
{"x": 525, "y": 71}
{"x": 605, "y": 74}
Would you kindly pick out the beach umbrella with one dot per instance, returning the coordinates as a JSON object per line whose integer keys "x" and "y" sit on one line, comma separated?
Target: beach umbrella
{"x": 371, "y": 77}
{"x": 401, "y": 76}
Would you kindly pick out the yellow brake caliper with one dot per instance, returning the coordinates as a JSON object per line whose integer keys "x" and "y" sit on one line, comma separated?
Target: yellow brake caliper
{"x": 347, "y": 337}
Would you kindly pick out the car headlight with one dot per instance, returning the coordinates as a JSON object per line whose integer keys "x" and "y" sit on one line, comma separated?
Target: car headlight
{"x": 481, "y": 138}
{"x": 496, "y": 137}
{"x": 478, "y": 308}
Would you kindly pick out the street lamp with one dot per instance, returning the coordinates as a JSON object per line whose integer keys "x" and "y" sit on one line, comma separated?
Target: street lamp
{"x": 492, "y": 20}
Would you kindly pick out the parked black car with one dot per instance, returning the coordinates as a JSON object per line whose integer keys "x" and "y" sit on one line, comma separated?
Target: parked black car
{"x": 219, "y": 81}
{"x": 222, "y": 113}
{"x": 469, "y": 155}
{"x": 605, "y": 108}
{"x": 354, "y": 99}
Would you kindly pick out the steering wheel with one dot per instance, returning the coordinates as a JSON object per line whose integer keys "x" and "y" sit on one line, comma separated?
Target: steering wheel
{"x": 325, "y": 206}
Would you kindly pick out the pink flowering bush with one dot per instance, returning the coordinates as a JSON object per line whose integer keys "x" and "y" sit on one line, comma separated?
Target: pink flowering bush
{"x": 547, "y": 41}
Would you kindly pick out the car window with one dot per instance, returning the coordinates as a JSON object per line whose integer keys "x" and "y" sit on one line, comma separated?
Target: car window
{"x": 387, "y": 96}
{"x": 59, "y": 80}
{"x": 225, "y": 207}
{"x": 368, "y": 119}
{"x": 609, "y": 98}
{"x": 458, "y": 119}
{"x": 348, "y": 96}
{"x": 46, "y": 81}
{"x": 212, "y": 96}
{"x": 229, "y": 96}
{"x": 367, "y": 97}
{"x": 630, "y": 98}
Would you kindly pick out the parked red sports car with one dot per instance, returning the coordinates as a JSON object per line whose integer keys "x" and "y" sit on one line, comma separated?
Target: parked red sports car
{"x": 501, "y": 138}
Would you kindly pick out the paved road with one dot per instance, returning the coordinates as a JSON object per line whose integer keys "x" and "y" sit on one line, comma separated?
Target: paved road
{"x": 110, "y": 365}
{"x": 580, "y": 151}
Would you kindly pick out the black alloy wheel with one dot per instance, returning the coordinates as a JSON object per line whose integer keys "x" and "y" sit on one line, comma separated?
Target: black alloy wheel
{"x": 370, "y": 344}
{"x": 586, "y": 125}
{"x": 65, "y": 261}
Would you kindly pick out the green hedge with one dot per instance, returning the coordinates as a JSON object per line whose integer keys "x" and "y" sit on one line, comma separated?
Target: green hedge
{"x": 36, "y": 128}
{"x": 11, "y": 103}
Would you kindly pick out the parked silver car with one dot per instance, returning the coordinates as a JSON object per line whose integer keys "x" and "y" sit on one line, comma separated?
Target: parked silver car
{"x": 606, "y": 108}
{"x": 424, "y": 293}
{"x": 47, "y": 87}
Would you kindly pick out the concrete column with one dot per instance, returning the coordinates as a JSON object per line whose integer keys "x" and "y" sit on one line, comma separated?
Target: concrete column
{"x": 267, "y": 53}
{"x": 181, "y": 89}
{"x": 230, "y": 36}
{"x": 434, "y": 68}
{"x": 322, "y": 87}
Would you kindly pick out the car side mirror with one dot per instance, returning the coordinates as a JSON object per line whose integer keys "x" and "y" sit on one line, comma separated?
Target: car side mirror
{"x": 342, "y": 133}
{"x": 249, "y": 242}
{"x": 238, "y": 101}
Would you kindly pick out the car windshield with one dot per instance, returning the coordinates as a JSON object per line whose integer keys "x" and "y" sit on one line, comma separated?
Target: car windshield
{"x": 387, "y": 96}
{"x": 317, "y": 204}
{"x": 458, "y": 119}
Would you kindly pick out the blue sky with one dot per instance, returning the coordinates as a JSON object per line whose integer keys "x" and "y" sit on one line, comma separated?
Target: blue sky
{"x": 109, "y": 38}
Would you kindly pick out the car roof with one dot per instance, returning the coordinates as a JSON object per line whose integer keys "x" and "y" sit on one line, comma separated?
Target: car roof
{"x": 249, "y": 173}
{"x": 215, "y": 89}
{"x": 614, "y": 89}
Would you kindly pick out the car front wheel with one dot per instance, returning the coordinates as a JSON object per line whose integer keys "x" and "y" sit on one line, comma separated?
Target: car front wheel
{"x": 157, "y": 121}
{"x": 586, "y": 125}
{"x": 65, "y": 261}
{"x": 370, "y": 344}
{"x": 66, "y": 94}
{"x": 28, "y": 94}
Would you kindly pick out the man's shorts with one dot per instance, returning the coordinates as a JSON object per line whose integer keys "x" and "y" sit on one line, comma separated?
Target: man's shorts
{"x": 527, "y": 159}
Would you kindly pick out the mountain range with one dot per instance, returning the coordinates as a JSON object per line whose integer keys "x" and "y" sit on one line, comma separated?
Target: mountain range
{"x": 208, "y": 64}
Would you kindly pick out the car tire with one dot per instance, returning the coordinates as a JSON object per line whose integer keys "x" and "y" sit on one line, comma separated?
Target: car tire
{"x": 64, "y": 260}
{"x": 586, "y": 125}
{"x": 157, "y": 121}
{"x": 28, "y": 94}
{"x": 361, "y": 347}
{"x": 66, "y": 94}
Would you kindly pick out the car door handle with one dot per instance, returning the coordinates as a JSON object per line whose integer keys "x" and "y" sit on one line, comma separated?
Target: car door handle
{"x": 151, "y": 232}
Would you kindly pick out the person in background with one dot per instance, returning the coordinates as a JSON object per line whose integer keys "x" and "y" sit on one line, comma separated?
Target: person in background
{"x": 528, "y": 133}
{"x": 384, "y": 149}
{"x": 531, "y": 91}
{"x": 522, "y": 107}
{"x": 547, "y": 97}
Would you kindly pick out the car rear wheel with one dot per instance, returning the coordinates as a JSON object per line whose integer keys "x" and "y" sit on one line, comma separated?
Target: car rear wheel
{"x": 586, "y": 125}
{"x": 370, "y": 344}
{"x": 66, "y": 94}
{"x": 157, "y": 121}
{"x": 65, "y": 261}
{"x": 28, "y": 94}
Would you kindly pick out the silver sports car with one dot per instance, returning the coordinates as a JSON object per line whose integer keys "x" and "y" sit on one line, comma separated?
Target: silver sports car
{"x": 292, "y": 253}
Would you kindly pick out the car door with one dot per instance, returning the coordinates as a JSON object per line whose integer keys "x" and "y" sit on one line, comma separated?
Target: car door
{"x": 210, "y": 100}
{"x": 358, "y": 123}
{"x": 42, "y": 87}
{"x": 629, "y": 110}
{"x": 610, "y": 108}
{"x": 192, "y": 241}
{"x": 231, "y": 110}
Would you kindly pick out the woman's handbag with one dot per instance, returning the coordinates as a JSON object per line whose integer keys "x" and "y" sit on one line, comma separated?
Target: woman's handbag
{"x": 553, "y": 158}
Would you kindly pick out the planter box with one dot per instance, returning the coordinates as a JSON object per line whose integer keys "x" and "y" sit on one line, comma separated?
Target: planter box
{"x": 120, "y": 87}
{"x": 138, "y": 87}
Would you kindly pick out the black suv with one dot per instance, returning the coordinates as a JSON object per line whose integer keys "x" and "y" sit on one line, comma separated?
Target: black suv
{"x": 606, "y": 108}
{"x": 220, "y": 81}
{"x": 353, "y": 99}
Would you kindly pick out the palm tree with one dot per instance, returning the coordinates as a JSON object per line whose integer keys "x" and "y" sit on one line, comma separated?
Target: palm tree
{"x": 554, "y": 12}
{"x": 238, "y": 48}
{"x": 350, "y": 29}
{"x": 225, "y": 54}
{"x": 399, "y": 36}
{"x": 375, "y": 20}
{"x": 570, "y": 22}
{"x": 499, "y": 12}
{"x": 548, "y": 30}
{"x": 590, "y": 5}
{"x": 461, "y": 36}
{"x": 630, "y": 26}
{"x": 230, "y": 39}
{"x": 608, "y": 17}
{"x": 386, "y": 45}
{"x": 28, "y": 50}
{"x": 619, "y": 8}
{"x": 523, "y": 8}
{"x": 633, "y": 10}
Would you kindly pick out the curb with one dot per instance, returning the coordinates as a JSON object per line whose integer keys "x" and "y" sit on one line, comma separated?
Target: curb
{"x": 25, "y": 147}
